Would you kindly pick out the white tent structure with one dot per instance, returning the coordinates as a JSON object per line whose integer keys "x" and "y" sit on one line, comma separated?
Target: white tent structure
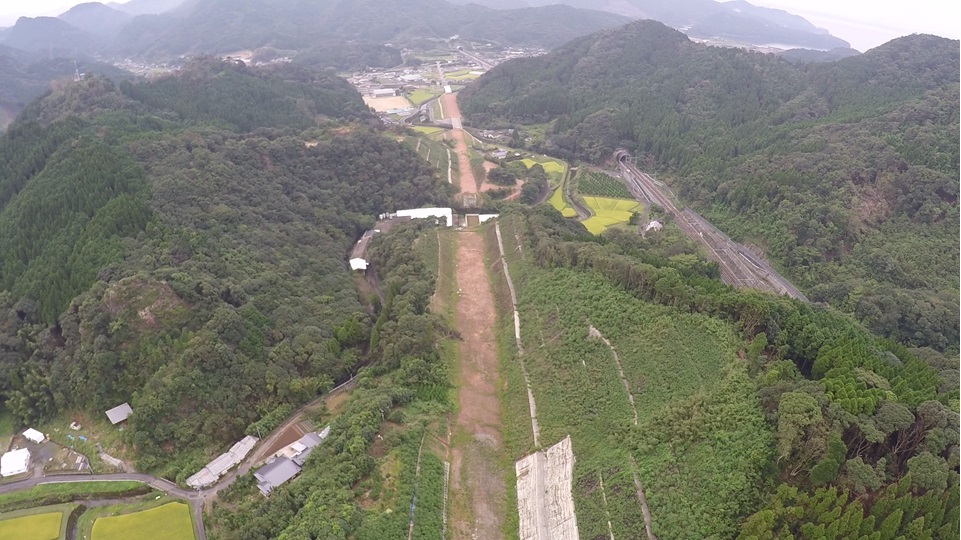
{"x": 15, "y": 462}
{"x": 34, "y": 435}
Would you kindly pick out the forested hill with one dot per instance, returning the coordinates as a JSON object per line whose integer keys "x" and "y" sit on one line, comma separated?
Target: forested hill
{"x": 845, "y": 173}
{"x": 186, "y": 257}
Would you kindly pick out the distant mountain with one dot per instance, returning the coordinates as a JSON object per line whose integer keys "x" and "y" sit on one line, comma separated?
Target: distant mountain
{"x": 744, "y": 28}
{"x": 737, "y": 21}
{"x": 50, "y": 35}
{"x": 96, "y": 19}
{"x": 218, "y": 26}
{"x": 845, "y": 173}
{"x": 24, "y": 76}
{"x": 778, "y": 16}
{"x": 146, "y": 7}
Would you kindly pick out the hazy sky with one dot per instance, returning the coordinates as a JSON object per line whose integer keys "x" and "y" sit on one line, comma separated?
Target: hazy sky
{"x": 868, "y": 23}
{"x": 863, "y": 23}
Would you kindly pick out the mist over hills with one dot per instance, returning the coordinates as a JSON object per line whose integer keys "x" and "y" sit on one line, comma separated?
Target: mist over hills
{"x": 738, "y": 21}
{"x": 164, "y": 29}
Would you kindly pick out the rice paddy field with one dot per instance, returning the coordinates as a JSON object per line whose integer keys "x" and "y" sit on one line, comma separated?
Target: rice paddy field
{"x": 551, "y": 166}
{"x": 48, "y": 523}
{"x": 608, "y": 212}
{"x": 557, "y": 201}
{"x": 168, "y": 522}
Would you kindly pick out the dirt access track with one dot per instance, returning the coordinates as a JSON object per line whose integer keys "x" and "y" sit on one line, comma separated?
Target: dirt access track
{"x": 468, "y": 184}
{"x": 478, "y": 488}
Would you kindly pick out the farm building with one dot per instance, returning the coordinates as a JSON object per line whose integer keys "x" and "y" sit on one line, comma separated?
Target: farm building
{"x": 222, "y": 463}
{"x": 34, "y": 435}
{"x": 15, "y": 462}
{"x": 275, "y": 473}
{"x": 424, "y": 213}
{"x": 120, "y": 413}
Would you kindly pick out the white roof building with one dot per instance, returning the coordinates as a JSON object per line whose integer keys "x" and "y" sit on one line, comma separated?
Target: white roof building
{"x": 424, "y": 213}
{"x": 119, "y": 413}
{"x": 654, "y": 226}
{"x": 358, "y": 264}
{"x": 15, "y": 462}
{"x": 222, "y": 463}
{"x": 34, "y": 435}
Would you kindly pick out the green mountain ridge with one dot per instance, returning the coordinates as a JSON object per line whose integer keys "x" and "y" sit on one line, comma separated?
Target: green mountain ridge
{"x": 177, "y": 244}
{"x": 820, "y": 165}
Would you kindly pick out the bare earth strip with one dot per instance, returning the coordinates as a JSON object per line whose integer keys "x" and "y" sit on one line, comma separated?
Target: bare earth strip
{"x": 467, "y": 182}
{"x": 544, "y": 499}
{"x": 478, "y": 488}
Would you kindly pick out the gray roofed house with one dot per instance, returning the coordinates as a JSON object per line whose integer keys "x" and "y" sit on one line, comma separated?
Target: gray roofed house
{"x": 309, "y": 441}
{"x": 274, "y": 473}
{"x": 119, "y": 413}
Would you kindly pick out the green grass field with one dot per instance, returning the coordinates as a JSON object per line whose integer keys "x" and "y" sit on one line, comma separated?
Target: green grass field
{"x": 420, "y": 96}
{"x": 557, "y": 201}
{"x": 427, "y": 130}
{"x": 66, "y": 491}
{"x": 168, "y": 522}
{"x": 608, "y": 212}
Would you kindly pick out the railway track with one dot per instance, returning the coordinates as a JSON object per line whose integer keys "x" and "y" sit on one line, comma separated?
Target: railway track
{"x": 739, "y": 266}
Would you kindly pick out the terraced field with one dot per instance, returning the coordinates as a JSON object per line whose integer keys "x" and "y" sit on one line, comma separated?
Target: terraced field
{"x": 552, "y": 167}
{"x": 608, "y": 212}
{"x": 557, "y": 201}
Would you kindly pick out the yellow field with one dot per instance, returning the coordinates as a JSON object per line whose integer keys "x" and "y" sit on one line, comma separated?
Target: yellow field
{"x": 37, "y": 527}
{"x": 550, "y": 166}
{"x": 421, "y": 95}
{"x": 557, "y": 201}
{"x": 427, "y": 130}
{"x": 608, "y": 212}
{"x": 168, "y": 522}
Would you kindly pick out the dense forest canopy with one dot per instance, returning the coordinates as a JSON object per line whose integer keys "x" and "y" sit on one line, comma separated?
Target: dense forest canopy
{"x": 180, "y": 244}
{"x": 844, "y": 173}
